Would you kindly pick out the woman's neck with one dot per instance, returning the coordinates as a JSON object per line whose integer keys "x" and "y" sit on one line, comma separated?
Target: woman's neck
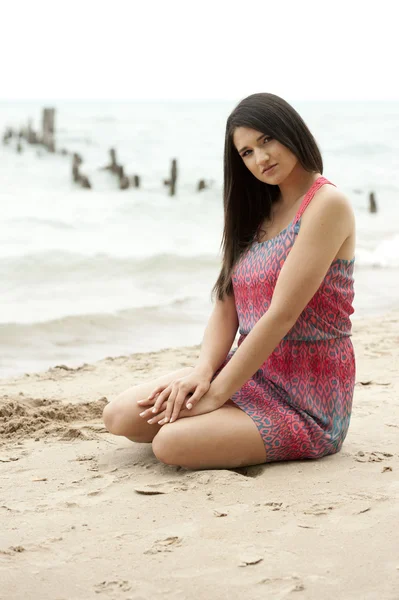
{"x": 295, "y": 186}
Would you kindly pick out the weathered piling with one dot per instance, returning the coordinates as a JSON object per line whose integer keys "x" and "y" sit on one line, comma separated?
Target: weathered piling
{"x": 77, "y": 176}
{"x": 135, "y": 181}
{"x": 76, "y": 162}
{"x": 31, "y": 135}
{"x": 48, "y": 119}
{"x": 171, "y": 183}
{"x": 124, "y": 183}
{"x": 201, "y": 185}
{"x": 7, "y": 136}
{"x": 123, "y": 180}
{"x": 113, "y": 165}
{"x": 372, "y": 203}
{"x": 84, "y": 181}
{"x": 119, "y": 171}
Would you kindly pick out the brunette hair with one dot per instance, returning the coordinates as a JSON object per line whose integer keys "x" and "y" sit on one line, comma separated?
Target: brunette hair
{"x": 248, "y": 201}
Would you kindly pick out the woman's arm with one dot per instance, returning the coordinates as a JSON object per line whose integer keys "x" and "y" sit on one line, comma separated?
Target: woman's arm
{"x": 219, "y": 336}
{"x": 329, "y": 222}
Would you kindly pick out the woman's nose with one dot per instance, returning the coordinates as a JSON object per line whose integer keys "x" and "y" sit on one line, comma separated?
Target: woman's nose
{"x": 261, "y": 156}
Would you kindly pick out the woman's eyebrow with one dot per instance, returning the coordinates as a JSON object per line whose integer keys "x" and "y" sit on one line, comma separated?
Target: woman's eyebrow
{"x": 259, "y": 138}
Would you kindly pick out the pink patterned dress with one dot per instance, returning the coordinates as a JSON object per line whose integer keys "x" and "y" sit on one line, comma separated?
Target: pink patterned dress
{"x": 301, "y": 398}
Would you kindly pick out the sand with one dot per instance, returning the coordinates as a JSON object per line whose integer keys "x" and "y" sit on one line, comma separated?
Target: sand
{"x": 84, "y": 514}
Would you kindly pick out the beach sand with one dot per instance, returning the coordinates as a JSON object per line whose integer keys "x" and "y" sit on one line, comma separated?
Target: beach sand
{"x": 85, "y": 514}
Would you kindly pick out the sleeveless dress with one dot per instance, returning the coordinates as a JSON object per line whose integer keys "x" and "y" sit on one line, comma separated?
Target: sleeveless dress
{"x": 301, "y": 398}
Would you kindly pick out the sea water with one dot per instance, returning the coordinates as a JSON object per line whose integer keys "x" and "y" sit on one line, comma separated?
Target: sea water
{"x": 92, "y": 273}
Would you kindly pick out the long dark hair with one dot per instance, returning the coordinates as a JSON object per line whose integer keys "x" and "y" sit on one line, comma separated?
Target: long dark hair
{"x": 248, "y": 201}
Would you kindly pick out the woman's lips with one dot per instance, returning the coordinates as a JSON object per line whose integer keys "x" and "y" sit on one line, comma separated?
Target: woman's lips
{"x": 269, "y": 169}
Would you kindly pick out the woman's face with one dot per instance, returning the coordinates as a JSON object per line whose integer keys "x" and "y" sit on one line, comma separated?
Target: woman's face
{"x": 267, "y": 159}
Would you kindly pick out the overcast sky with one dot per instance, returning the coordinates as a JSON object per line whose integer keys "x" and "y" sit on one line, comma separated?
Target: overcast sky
{"x": 199, "y": 49}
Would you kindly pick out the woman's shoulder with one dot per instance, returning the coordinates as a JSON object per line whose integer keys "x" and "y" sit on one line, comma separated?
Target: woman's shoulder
{"x": 330, "y": 202}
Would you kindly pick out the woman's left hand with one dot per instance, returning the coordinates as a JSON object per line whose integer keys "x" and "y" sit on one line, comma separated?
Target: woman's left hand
{"x": 208, "y": 403}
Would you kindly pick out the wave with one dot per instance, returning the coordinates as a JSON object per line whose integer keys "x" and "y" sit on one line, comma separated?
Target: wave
{"x": 58, "y": 265}
{"x": 42, "y": 267}
{"x": 385, "y": 255}
{"x": 86, "y": 328}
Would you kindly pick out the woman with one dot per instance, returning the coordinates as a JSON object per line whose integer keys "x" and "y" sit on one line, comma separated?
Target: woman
{"x": 287, "y": 282}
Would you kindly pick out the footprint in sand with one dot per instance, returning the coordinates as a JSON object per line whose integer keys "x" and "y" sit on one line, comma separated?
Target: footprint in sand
{"x": 166, "y": 545}
{"x": 105, "y": 587}
{"x": 372, "y": 456}
{"x": 282, "y": 587}
{"x": 318, "y": 509}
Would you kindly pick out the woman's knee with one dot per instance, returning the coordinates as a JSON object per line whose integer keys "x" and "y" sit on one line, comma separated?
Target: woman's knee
{"x": 165, "y": 445}
{"x": 113, "y": 417}
{"x": 119, "y": 418}
{"x": 122, "y": 417}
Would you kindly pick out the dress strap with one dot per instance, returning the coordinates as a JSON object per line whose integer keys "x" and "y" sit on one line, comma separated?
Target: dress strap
{"x": 309, "y": 195}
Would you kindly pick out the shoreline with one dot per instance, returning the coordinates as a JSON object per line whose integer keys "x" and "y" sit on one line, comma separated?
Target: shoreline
{"x": 377, "y": 313}
{"x": 93, "y": 515}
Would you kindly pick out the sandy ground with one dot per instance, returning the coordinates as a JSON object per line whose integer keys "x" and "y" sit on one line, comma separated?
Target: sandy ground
{"x": 84, "y": 514}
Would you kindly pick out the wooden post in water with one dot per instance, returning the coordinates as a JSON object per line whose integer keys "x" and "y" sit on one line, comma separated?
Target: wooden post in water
{"x": 123, "y": 180}
{"x": 7, "y": 136}
{"x": 173, "y": 177}
{"x": 171, "y": 183}
{"x": 76, "y": 162}
{"x": 31, "y": 135}
{"x": 48, "y": 129}
{"x": 372, "y": 203}
{"x": 84, "y": 181}
{"x": 77, "y": 175}
{"x": 201, "y": 185}
{"x": 114, "y": 164}
{"x": 136, "y": 181}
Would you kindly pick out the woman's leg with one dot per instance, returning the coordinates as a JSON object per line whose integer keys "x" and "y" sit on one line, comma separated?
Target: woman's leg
{"x": 122, "y": 415}
{"x": 224, "y": 439}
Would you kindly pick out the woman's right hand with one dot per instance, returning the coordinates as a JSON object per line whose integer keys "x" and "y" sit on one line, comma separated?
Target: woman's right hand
{"x": 190, "y": 388}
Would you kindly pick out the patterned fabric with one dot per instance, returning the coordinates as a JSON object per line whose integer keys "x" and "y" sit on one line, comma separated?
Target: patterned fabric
{"x": 301, "y": 397}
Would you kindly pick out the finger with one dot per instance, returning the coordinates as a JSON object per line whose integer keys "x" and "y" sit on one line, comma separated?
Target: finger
{"x": 193, "y": 400}
{"x": 155, "y": 419}
{"x": 148, "y": 414}
{"x": 157, "y": 403}
{"x": 170, "y": 404}
{"x": 153, "y": 394}
{"x": 146, "y": 401}
{"x": 156, "y": 391}
{"x": 178, "y": 403}
{"x": 163, "y": 396}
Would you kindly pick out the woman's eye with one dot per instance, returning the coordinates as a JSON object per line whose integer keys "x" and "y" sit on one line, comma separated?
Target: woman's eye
{"x": 265, "y": 140}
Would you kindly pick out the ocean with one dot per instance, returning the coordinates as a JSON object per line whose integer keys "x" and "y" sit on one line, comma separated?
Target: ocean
{"x": 87, "y": 274}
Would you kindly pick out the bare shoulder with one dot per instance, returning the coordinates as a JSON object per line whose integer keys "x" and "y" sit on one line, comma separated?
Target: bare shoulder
{"x": 331, "y": 203}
